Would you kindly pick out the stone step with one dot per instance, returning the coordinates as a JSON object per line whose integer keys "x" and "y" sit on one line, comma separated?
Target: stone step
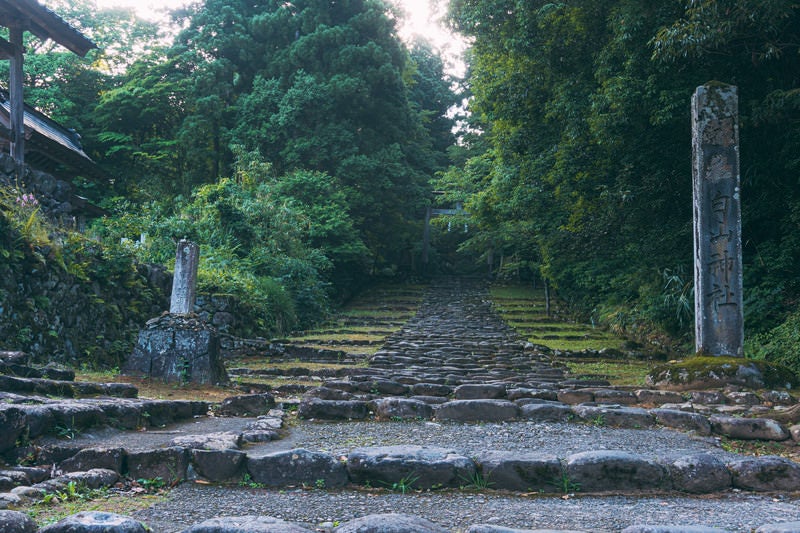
{"x": 33, "y": 417}
{"x": 68, "y": 389}
{"x": 220, "y": 459}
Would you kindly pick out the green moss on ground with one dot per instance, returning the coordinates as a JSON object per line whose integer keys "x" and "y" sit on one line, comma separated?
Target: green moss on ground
{"x": 704, "y": 371}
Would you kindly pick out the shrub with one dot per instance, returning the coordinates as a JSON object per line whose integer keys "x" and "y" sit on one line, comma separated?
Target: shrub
{"x": 780, "y": 345}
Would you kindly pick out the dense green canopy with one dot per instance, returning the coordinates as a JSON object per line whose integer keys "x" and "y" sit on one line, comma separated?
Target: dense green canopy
{"x": 575, "y": 165}
{"x": 583, "y": 172}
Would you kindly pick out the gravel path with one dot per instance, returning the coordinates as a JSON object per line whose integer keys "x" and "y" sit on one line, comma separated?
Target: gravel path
{"x": 560, "y": 439}
{"x": 455, "y": 510}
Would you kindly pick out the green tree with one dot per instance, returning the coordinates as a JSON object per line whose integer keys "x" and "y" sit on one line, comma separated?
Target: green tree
{"x": 584, "y": 110}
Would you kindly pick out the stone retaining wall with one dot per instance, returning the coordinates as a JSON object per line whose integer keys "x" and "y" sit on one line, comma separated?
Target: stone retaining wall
{"x": 406, "y": 468}
{"x": 82, "y": 304}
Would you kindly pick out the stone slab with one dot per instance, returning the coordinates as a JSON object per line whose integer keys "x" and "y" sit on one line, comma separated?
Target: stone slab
{"x": 88, "y": 458}
{"x": 218, "y": 465}
{"x": 389, "y": 523}
{"x": 409, "y": 466}
{"x": 402, "y": 409}
{"x": 479, "y": 391}
{"x": 333, "y": 409}
{"x": 748, "y": 428}
{"x": 246, "y": 524}
{"x": 169, "y": 464}
{"x": 16, "y": 522}
{"x": 614, "y": 416}
{"x": 765, "y": 473}
{"x": 247, "y": 405}
{"x": 610, "y": 470}
{"x": 477, "y": 410}
{"x": 96, "y": 522}
{"x": 546, "y": 412}
{"x": 298, "y": 467}
{"x": 686, "y": 421}
{"x": 700, "y": 473}
{"x": 523, "y": 472}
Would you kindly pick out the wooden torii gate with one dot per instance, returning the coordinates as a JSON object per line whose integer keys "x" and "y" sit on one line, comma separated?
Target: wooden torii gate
{"x": 432, "y": 212}
{"x": 20, "y": 16}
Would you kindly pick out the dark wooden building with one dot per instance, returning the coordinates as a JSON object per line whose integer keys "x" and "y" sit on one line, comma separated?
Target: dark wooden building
{"x": 21, "y": 124}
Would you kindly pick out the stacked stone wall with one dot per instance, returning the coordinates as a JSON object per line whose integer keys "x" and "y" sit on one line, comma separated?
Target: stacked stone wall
{"x": 82, "y": 304}
{"x": 60, "y": 317}
{"x": 55, "y": 197}
{"x": 69, "y": 301}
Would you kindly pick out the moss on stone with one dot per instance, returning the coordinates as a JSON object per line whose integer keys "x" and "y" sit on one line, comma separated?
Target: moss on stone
{"x": 704, "y": 371}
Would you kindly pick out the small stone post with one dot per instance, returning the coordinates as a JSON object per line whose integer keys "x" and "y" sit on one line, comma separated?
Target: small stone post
{"x": 719, "y": 322}
{"x": 184, "y": 281}
{"x": 179, "y": 346}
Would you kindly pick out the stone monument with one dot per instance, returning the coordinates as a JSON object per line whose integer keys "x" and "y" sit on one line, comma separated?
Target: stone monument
{"x": 184, "y": 281}
{"x": 719, "y": 322}
{"x": 179, "y": 346}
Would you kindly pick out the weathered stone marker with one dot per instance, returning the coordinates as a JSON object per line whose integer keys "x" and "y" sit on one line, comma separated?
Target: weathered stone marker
{"x": 719, "y": 322}
{"x": 179, "y": 346}
{"x": 184, "y": 282}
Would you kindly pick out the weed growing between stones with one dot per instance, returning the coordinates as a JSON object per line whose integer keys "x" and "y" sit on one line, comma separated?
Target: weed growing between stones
{"x": 565, "y": 484}
{"x": 67, "y": 431}
{"x": 152, "y": 484}
{"x": 406, "y": 484}
{"x": 477, "y": 481}
{"x": 756, "y": 447}
{"x": 82, "y": 499}
{"x": 71, "y": 492}
{"x": 247, "y": 482}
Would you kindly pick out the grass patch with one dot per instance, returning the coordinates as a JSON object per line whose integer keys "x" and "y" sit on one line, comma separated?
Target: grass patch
{"x": 338, "y": 337}
{"x": 277, "y": 381}
{"x": 517, "y": 293}
{"x": 579, "y": 345}
{"x": 124, "y": 504}
{"x": 624, "y": 373}
{"x": 522, "y": 307}
{"x": 158, "y": 389}
{"x": 348, "y": 349}
{"x": 255, "y": 363}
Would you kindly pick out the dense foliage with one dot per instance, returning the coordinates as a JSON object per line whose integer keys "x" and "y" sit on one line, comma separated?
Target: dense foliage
{"x": 294, "y": 142}
{"x": 311, "y": 86}
{"x": 583, "y": 170}
{"x": 297, "y": 141}
{"x": 265, "y": 240}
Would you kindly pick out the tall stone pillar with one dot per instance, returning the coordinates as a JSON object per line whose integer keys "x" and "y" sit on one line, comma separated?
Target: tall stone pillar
{"x": 719, "y": 322}
{"x": 179, "y": 346}
{"x": 184, "y": 281}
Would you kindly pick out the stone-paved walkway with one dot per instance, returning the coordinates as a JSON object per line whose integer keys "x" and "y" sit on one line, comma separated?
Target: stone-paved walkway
{"x": 457, "y": 338}
{"x": 457, "y": 358}
{"x": 457, "y": 346}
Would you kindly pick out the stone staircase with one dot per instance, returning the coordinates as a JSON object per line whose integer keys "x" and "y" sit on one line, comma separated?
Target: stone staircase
{"x": 453, "y": 363}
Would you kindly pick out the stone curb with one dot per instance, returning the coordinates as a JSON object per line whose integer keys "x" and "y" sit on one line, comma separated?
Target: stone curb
{"x": 28, "y": 421}
{"x": 406, "y": 468}
{"x": 16, "y": 522}
{"x": 527, "y": 408}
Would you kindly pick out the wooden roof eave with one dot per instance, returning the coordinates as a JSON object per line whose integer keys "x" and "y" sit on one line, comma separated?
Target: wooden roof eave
{"x": 44, "y": 23}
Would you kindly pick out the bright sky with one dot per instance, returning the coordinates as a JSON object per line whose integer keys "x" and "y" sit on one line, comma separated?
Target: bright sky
{"x": 422, "y": 20}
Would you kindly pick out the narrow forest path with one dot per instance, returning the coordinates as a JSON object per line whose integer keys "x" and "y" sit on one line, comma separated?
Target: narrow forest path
{"x": 426, "y": 401}
{"x": 499, "y": 400}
